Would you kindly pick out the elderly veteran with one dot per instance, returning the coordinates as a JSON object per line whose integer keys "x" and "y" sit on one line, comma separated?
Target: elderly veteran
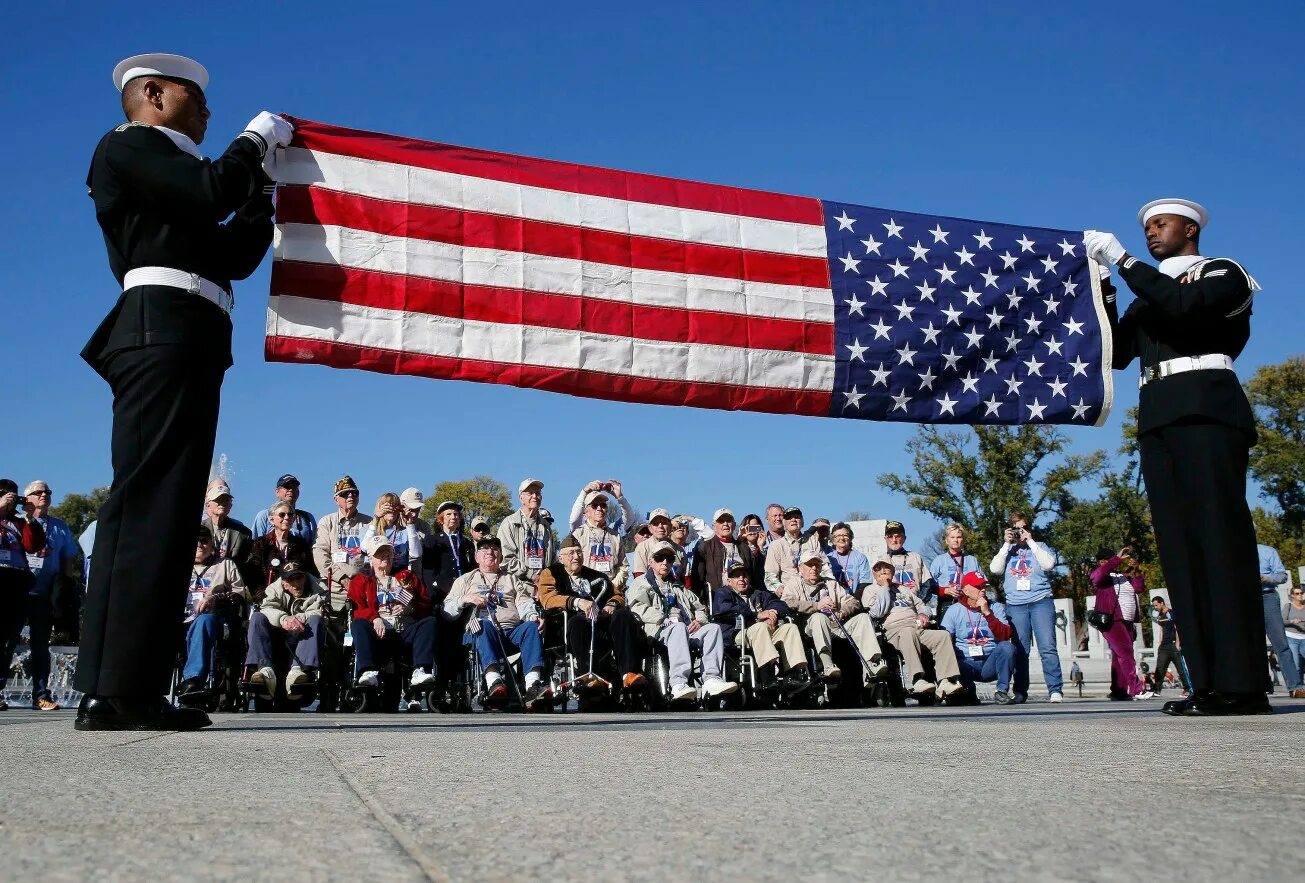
{"x": 601, "y": 547}
{"x": 718, "y": 553}
{"x": 659, "y": 528}
{"x": 818, "y": 602}
{"x": 504, "y": 620}
{"x": 774, "y": 642}
{"x": 304, "y": 525}
{"x": 527, "y": 541}
{"x": 390, "y": 611}
{"x": 911, "y": 571}
{"x": 215, "y": 586}
{"x": 674, "y": 617}
{"x": 904, "y": 618}
{"x": 784, "y": 553}
{"x": 277, "y": 546}
{"x": 448, "y": 553}
{"x": 290, "y": 613}
{"x": 338, "y": 552}
{"x": 591, "y": 601}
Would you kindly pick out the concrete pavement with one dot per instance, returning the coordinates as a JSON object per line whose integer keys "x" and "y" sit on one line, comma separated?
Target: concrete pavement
{"x": 1087, "y": 790}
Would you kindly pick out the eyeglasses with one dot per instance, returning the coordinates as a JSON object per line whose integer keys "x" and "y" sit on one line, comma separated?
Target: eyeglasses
{"x": 282, "y": 514}
{"x": 39, "y": 494}
{"x": 352, "y": 495}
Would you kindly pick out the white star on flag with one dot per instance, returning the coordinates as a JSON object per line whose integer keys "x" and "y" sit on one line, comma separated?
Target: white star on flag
{"x": 844, "y": 222}
{"x": 857, "y": 351}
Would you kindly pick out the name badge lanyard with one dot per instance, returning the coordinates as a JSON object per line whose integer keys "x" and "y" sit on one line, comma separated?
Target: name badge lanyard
{"x": 491, "y": 594}
{"x": 455, "y": 543}
{"x": 843, "y": 569}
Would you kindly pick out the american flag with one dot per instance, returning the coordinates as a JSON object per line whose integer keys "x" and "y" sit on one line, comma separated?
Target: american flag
{"x": 411, "y": 257}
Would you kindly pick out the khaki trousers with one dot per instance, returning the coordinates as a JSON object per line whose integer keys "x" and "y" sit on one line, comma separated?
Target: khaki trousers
{"x": 821, "y": 630}
{"x": 762, "y": 644}
{"x": 909, "y": 641}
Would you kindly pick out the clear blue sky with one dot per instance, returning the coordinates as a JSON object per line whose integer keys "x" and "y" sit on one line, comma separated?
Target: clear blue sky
{"x": 1042, "y": 114}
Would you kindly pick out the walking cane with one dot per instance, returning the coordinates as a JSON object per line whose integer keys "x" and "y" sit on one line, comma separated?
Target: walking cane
{"x": 838, "y": 621}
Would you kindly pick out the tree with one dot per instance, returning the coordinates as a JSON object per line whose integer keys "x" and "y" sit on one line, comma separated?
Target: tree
{"x": 1277, "y": 393}
{"x": 79, "y": 510}
{"x": 481, "y": 495}
{"x": 978, "y": 477}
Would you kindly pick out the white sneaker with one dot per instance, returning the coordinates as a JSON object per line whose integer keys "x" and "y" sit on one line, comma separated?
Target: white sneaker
{"x": 296, "y": 677}
{"x": 532, "y": 678}
{"x": 877, "y": 668}
{"x": 421, "y": 677}
{"x": 833, "y": 673}
{"x": 922, "y": 687}
{"x": 1145, "y": 694}
{"x": 369, "y": 679}
{"x": 719, "y": 687}
{"x": 682, "y": 691}
{"x": 1055, "y": 697}
{"x": 950, "y": 687}
{"x": 492, "y": 678}
{"x": 265, "y": 678}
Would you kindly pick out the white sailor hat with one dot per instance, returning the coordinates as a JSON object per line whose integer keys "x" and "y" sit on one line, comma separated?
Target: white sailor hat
{"x": 1172, "y": 205}
{"x": 160, "y": 64}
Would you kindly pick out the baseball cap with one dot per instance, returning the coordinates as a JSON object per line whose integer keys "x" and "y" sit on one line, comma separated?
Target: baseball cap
{"x": 375, "y": 543}
{"x": 812, "y": 555}
{"x": 529, "y": 483}
{"x": 664, "y": 553}
{"x": 34, "y": 486}
{"x": 883, "y": 564}
{"x": 820, "y": 521}
{"x": 217, "y": 490}
{"x": 973, "y": 579}
{"x": 287, "y": 480}
{"x": 487, "y": 542}
{"x": 479, "y": 521}
{"x": 738, "y": 568}
{"x": 346, "y": 483}
{"x": 412, "y": 498}
{"x": 722, "y": 513}
{"x": 791, "y": 511}
{"x": 8, "y": 486}
{"x": 658, "y": 513}
{"x": 893, "y": 527}
{"x": 592, "y": 496}
{"x": 291, "y": 568}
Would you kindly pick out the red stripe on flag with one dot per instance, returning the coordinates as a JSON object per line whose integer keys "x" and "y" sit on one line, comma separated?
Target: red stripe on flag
{"x": 510, "y": 306}
{"x": 317, "y": 205}
{"x": 570, "y": 177}
{"x": 589, "y": 384}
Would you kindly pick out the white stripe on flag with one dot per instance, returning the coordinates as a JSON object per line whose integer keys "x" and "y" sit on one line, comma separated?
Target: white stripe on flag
{"x": 423, "y": 334}
{"x": 399, "y": 183}
{"x": 343, "y": 246}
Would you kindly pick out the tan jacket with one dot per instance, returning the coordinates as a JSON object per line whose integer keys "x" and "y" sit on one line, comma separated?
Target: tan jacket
{"x": 512, "y": 533}
{"x": 338, "y": 553}
{"x": 804, "y": 598}
{"x": 279, "y": 603}
{"x": 645, "y": 601}
{"x": 219, "y": 575}
{"x": 516, "y": 605}
{"x": 782, "y": 571}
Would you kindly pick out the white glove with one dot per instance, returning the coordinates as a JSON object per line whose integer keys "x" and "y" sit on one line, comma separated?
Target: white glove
{"x": 275, "y": 165}
{"x": 1103, "y": 270}
{"x": 1103, "y": 248}
{"x": 274, "y": 130}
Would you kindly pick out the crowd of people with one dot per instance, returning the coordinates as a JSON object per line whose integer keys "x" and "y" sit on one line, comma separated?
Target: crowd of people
{"x": 798, "y": 597}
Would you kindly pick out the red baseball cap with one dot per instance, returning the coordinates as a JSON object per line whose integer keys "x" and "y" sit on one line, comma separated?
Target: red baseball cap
{"x": 974, "y": 579}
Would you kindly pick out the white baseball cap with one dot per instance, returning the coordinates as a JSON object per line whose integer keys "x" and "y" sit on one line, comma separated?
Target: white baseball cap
{"x": 375, "y": 542}
{"x": 658, "y": 513}
{"x": 412, "y": 498}
{"x": 529, "y": 483}
{"x": 720, "y": 513}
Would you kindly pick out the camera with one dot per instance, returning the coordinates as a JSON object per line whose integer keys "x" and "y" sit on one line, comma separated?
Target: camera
{"x": 605, "y": 487}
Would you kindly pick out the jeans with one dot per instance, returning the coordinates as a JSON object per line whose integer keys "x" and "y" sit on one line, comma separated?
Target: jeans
{"x": 13, "y": 610}
{"x": 305, "y": 645}
{"x": 1166, "y": 655}
{"x": 201, "y": 638}
{"x": 35, "y": 610}
{"x": 1035, "y": 621}
{"x": 1296, "y": 649}
{"x": 494, "y": 646}
{"x": 676, "y": 637}
{"x": 997, "y": 666}
{"x": 418, "y": 636}
{"x": 1278, "y": 639}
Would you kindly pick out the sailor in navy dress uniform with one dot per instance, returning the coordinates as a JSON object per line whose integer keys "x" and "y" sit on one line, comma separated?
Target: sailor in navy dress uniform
{"x": 178, "y": 229}
{"x": 1190, "y": 320}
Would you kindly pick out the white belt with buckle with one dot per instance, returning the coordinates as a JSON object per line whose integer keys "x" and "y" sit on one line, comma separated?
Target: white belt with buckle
{"x": 189, "y": 282}
{"x": 1213, "y": 361}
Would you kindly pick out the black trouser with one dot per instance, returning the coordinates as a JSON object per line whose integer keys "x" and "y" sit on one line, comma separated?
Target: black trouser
{"x": 165, "y": 410}
{"x": 1165, "y": 656}
{"x": 14, "y": 586}
{"x": 1195, "y": 477}
{"x": 622, "y": 631}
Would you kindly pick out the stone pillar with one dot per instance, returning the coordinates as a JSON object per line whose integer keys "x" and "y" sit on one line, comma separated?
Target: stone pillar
{"x": 1066, "y": 642}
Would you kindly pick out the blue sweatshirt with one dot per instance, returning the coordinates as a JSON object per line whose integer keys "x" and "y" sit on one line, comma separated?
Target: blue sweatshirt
{"x": 1026, "y": 569}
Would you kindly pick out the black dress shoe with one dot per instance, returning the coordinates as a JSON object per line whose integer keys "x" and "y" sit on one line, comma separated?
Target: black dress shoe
{"x": 1180, "y": 707}
{"x": 113, "y": 713}
{"x": 192, "y": 685}
{"x": 1229, "y": 704}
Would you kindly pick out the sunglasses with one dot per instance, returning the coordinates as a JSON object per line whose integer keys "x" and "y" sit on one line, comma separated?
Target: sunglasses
{"x": 282, "y": 514}
{"x": 353, "y": 495}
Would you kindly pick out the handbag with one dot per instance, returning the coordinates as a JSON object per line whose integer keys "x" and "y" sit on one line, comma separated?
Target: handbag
{"x": 1100, "y": 620}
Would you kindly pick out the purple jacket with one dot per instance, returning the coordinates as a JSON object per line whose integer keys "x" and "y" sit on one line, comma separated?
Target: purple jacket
{"x": 1107, "y": 600}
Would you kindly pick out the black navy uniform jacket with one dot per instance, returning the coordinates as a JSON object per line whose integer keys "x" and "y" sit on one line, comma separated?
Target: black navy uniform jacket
{"x": 1205, "y": 310}
{"x": 162, "y": 207}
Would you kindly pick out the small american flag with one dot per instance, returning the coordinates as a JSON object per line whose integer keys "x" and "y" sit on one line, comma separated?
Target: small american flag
{"x": 411, "y": 257}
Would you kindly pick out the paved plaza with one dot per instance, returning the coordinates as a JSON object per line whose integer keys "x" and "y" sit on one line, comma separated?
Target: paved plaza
{"x": 1088, "y": 790}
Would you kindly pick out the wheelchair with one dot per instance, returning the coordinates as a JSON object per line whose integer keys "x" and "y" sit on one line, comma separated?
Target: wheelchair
{"x": 222, "y": 691}
{"x": 563, "y": 666}
{"x": 393, "y": 690}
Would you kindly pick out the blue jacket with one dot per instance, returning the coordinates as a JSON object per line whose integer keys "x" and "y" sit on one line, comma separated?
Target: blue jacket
{"x": 60, "y": 547}
{"x": 305, "y": 525}
{"x": 946, "y": 573}
{"x": 727, "y": 604}
{"x": 966, "y": 625}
